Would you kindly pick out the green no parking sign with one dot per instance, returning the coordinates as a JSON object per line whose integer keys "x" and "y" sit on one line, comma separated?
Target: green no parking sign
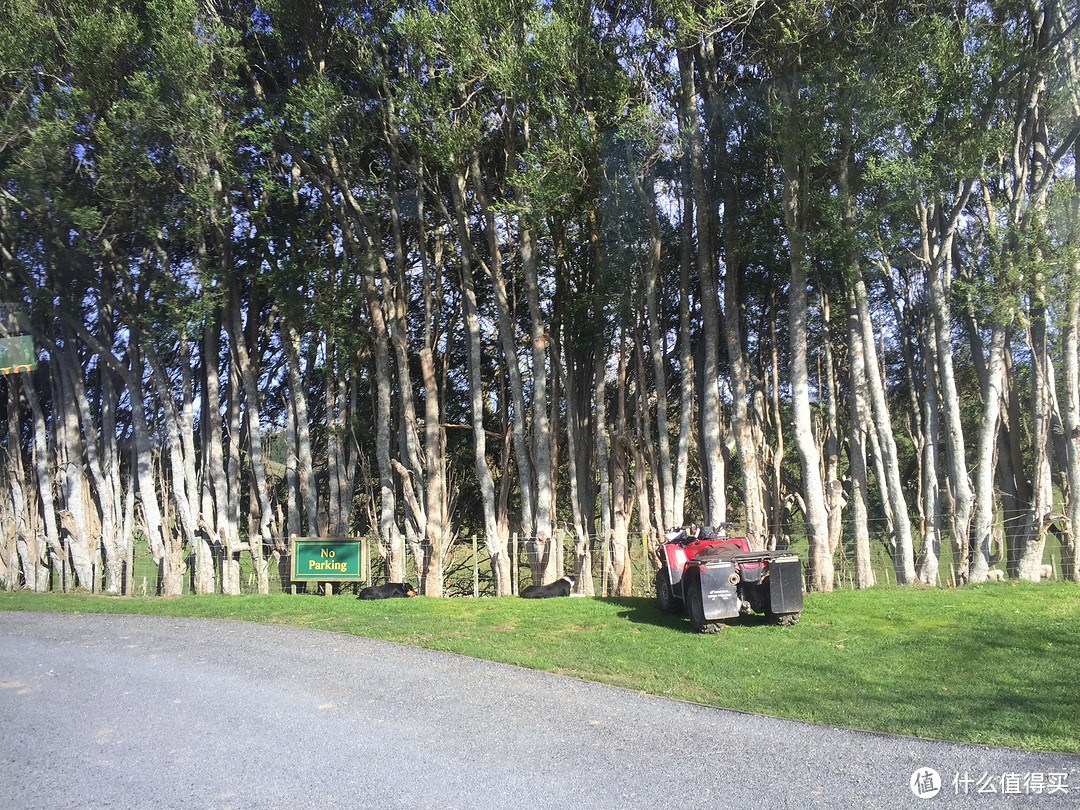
{"x": 327, "y": 559}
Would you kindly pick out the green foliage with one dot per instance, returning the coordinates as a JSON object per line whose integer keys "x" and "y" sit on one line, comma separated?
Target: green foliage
{"x": 991, "y": 664}
{"x": 155, "y": 156}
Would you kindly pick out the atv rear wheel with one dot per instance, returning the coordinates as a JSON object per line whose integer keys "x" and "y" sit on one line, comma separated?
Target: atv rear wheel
{"x": 758, "y": 597}
{"x": 785, "y": 619}
{"x": 695, "y": 608}
{"x": 665, "y": 593}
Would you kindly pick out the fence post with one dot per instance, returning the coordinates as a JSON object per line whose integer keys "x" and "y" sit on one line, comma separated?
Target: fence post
{"x": 365, "y": 557}
{"x": 514, "y": 567}
{"x": 604, "y": 567}
{"x": 646, "y": 568}
{"x": 475, "y": 570}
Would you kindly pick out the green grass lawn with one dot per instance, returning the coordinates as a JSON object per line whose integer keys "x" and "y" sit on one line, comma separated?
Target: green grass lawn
{"x": 995, "y": 664}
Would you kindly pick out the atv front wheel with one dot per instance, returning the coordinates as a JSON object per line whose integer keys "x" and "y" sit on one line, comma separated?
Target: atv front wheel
{"x": 665, "y": 593}
{"x": 695, "y": 609}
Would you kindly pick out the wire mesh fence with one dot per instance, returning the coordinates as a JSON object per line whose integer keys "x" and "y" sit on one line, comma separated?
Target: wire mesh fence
{"x": 468, "y": 568}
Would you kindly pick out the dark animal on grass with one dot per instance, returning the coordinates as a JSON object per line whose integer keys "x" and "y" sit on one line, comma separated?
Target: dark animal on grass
{"x": 391, "y": 590}
{"x": 560, "y": 587}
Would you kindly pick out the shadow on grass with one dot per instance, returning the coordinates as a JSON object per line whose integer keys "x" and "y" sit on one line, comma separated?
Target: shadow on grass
{"x": 643, "y": 610}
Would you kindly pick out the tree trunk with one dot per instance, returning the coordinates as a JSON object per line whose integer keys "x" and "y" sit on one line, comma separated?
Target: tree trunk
{"x": 303, "y": 460}
{"x": 230, "y": 566}
{"x": 930, "y": 554}
{"x": 114, "y": 497}
{"x": 776, "y": 491}
{"x": 1040, "y": 516}
{"x": 903, "y": 547}
{"x": 686, "y": 360}
{"x": 44, "y": 474}
{"x": 860, "y": 421}
{"x": 28, "y": 551}
{"x": 936, "y": 257}
{"x": 74, "y": 519}
{"x": 622, "y": 505}
{"x": 292, "y": 477}
{"x": 100, "y": 455}
{"x": 662, "y": 471}
{"x": 388, "y": 528}
{"x": 218, "y": 526}
{"x": 714, "y": 498}
{"x": 540, "y": 535}
{"x": 202, "y": 559}
{"x": 1070, "y": 416}
{"x": 984, "y": 468}
{"x": 1070, "y": 539}
{"x": 435, "y": 492}
{"x": 749, "y": 451}
{"x": 247, "y": 365}
{"x": 156, "y": 531}
{"x": 582, "y": 456}
{"x": 542, "y": 455}
{"x": 603, "y": 463}
{"x": 819, "y": 562}
{"x": 184, "y": 493}
{"x": 834, "y": 490}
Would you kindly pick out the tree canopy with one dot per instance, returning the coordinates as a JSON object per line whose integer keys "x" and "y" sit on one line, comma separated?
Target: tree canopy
{"x": 565, "y": 269}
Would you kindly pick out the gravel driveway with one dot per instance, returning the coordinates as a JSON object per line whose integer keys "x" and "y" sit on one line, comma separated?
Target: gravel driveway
{"x": 148, "y": 712}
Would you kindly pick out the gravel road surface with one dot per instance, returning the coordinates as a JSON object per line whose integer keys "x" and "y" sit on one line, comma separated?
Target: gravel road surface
{"x": 156, "y": 713}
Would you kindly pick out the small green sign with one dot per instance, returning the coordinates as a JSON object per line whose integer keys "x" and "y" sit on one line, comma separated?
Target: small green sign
{"x": 17, "y": 354}
{"x": 327, "y": 559}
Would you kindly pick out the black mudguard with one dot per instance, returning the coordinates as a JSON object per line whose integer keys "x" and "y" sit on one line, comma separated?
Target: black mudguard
{"x": 785, "y": 584}
{"x": 719, "y": 596}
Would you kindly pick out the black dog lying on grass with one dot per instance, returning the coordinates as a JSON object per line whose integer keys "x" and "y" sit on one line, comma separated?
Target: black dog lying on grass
{"x": 560, "y": 587}
{"x": 391, "y": 590}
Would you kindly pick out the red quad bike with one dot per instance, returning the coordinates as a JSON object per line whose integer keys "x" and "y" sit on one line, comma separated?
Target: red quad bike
{"x": 714, "y": 578}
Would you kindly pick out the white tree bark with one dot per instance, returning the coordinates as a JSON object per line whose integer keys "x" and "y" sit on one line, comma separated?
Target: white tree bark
{"x": 116, "y": 540}
{"x": 535, "y": 521}
{"x": 820, "y": 564}
{"x": 184, "y": 492}
{"x": 29, "y": 553}
{"x": 622, "y": 505}
{"x": 44, "y": 472}
{"x": 930, "y": 554}
{"x": 903, "y": 552}
{"x": 686, "y": 369}
{"x": 71, "y": 450}
{"x": 1070, "y": 559}
{"x": 219, "y": 522}
{"x": 1040, "y": 515}
{"x": 247, "y": 366}
{"x": 644, "y": 186}
{"x": 1070, "y": 549}
{"x": 857, "y": 440}
{"x": 984, "y": 468}
{"x": 303, "y": 463}
{"x": 714, "y": 496}
{"x": 937, "y": 241}
{"x": 541, "y": 423}
{"x": 494, "y": 538}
